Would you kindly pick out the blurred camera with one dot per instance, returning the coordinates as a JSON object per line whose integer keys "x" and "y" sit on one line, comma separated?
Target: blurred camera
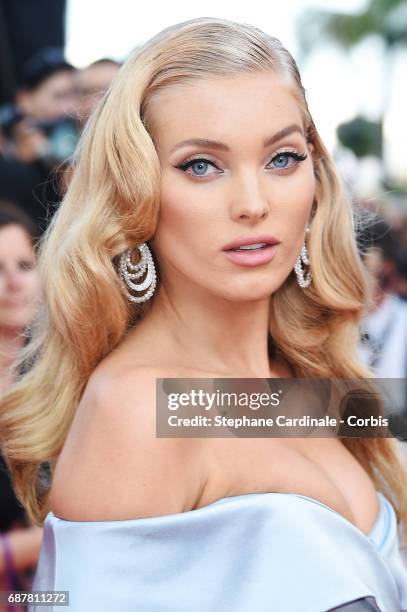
{"x": 62, "y": 134}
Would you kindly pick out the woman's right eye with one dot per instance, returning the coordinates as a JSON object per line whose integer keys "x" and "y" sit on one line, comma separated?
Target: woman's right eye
{"x": 26, "y": 264}
{"x": 199, "y": 166}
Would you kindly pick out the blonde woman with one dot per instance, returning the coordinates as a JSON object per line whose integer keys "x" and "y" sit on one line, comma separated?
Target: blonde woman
{"x": 203, "y": 160}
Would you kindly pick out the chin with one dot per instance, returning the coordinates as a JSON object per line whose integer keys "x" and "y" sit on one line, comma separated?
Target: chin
{"x": 248, "y": 293}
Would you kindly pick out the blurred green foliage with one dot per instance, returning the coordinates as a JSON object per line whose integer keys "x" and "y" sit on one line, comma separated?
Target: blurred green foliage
{"x": 362, "y": 136}
{"x": 385, "y": 18}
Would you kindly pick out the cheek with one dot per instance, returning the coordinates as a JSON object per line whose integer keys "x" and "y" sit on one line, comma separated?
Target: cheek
{"x": 297, "y": 193}
{"x": 293, "y": 202}
{"x": 184, "y": 216}
{"x": 31, "y": 288}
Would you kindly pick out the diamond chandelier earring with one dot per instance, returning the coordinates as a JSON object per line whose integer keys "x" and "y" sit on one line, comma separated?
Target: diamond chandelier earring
{"x": 303, "y": 260}
{"x": 130, "y": 272}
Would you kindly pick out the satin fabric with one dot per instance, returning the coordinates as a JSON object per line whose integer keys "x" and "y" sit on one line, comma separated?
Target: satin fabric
{"x": 256, "y": 552}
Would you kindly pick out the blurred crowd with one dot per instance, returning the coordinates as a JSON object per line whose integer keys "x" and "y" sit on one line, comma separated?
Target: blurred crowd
{"x": 38, "y": 134}
{"x": 384, "y": 332}
{"x": 383, "y": 338}
{"x": 40, "y": 128}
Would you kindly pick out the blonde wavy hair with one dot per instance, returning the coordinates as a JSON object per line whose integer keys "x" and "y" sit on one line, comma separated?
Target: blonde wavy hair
{"x": 112, "y": 203}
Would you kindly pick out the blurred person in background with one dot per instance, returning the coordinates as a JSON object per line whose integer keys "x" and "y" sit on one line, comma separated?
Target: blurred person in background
{"x": 402, "y": 279}
{"x": 39, "y": 134}
{"x": 92, "y": 82}
{"x": 383, "y": 344}
{"x": 19, "y": 286}
{"x": 384, "y": 329}
{"x": 47, "y": 92}
{"x": 401, "y": 257}
{"x": 20, "y": 541}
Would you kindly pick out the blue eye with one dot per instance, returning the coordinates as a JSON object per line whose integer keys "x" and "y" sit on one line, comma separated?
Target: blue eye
{"x": 199, "y": 166}
{"x": 281, "y": 159}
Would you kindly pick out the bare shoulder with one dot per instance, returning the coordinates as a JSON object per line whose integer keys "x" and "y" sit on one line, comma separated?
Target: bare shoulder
{"x": 112, "y": 466}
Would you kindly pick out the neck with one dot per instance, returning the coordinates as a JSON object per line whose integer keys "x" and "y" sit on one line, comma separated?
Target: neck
{"x": 209, "y": 333}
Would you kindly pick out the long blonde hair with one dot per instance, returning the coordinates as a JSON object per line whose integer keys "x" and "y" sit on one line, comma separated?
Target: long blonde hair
{"x": 112, "y": 204}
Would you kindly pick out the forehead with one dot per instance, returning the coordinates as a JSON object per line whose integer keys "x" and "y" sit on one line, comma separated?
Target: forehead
{"x": 99, "y": 73}
{"x": 222, "y": 107}
{"x": 63, "y": 78}
{"x": 14, "y": 238}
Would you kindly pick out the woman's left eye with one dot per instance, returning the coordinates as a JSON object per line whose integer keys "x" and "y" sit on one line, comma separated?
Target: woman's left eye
{"x": 281, "y": 160}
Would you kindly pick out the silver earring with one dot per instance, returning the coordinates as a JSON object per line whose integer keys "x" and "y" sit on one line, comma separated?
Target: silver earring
{"x": 303, "y": 260}
{"x": 130, "y": 271}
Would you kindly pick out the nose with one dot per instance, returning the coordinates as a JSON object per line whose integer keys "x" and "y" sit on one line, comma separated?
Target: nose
{"x": 249, "y": 202}
{"x": 14, "y": 279}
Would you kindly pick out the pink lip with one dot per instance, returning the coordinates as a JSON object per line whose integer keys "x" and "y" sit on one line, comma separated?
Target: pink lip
{"x": 245, "y": 240}
{"x": 252, "y": 258}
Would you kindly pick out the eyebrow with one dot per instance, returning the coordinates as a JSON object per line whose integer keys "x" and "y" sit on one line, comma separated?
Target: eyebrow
{"x": 214, "y": 144}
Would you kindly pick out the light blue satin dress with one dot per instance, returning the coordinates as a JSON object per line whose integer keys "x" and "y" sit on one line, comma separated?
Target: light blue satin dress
{"x": 256, "y": 552}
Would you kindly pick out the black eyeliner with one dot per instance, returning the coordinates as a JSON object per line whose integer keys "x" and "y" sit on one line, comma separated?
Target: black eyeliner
{"x": 293, "y": 154}
{"x": 187, "y": 164}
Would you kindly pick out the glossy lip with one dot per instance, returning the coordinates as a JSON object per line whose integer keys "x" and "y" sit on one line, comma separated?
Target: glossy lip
{"x": 245, "y": 240}
{"x": 252, "y": 258}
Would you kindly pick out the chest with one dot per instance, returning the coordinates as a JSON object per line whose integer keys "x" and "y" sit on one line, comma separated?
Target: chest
{"x": 320, "y": 468}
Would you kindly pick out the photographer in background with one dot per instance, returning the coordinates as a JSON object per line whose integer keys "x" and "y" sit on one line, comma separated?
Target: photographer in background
{"x": 383, "y": 343}
{"x": 385, "y": 326}
{"x": 39, "y": 134}
{"x": 92, "y": 83}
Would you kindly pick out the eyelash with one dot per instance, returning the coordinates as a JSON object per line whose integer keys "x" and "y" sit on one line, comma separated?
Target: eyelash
{"x": 189, "y": 162}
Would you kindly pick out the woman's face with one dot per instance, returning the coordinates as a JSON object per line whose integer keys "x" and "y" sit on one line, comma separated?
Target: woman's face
{"x": 53, "y": 99}
{"x": 256, "y": 183}
{"x": 19, "y": 286}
